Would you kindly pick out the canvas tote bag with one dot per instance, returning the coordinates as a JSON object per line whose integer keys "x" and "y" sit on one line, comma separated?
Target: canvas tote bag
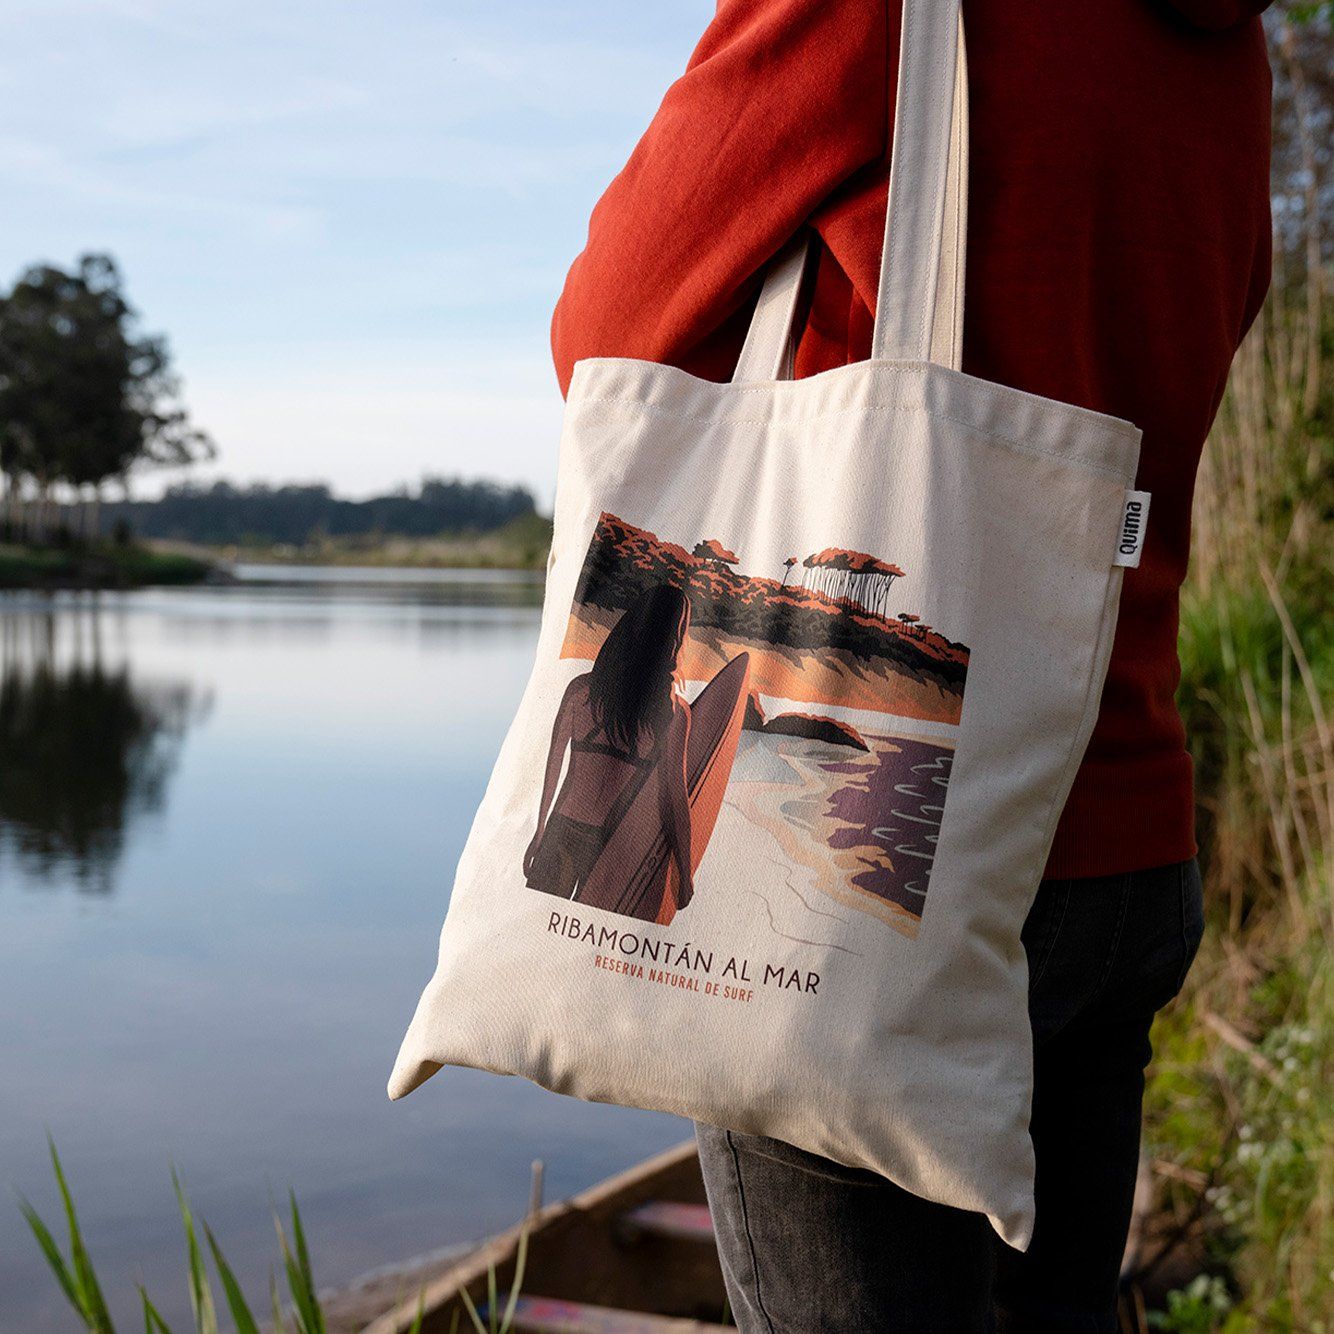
{"x": 818, "y": 661}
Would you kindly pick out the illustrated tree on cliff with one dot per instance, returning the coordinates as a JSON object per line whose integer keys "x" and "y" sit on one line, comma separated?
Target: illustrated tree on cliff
{"x": 852, "y": 576}
{"x": 787, "y": 569}
{"x": 909, "y": 620}
{"x": 713, "y": 551}
{"x": 84, "y": 397}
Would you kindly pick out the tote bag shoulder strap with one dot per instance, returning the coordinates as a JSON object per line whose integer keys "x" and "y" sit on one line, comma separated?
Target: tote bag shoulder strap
{"x": 919, "y": 306}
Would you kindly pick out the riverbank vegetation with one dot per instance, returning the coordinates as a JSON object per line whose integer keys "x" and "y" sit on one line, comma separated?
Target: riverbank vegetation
{"x": 75, "y": 1272}
{"x": 222, "y": 514}
{"x": 97, "y": 565}
{"x": 300, "y": 1312}
{"x": 1240, "y": 1110}
{"x": 1239, "y": 1118}
{"x": 522, "y": 543}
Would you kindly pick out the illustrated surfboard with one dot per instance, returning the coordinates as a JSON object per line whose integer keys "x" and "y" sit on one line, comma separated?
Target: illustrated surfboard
{"x": 634, "y": 874}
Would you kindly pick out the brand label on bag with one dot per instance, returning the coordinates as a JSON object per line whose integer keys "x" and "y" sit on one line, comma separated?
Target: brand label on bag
{"x": 1134, "y": 521}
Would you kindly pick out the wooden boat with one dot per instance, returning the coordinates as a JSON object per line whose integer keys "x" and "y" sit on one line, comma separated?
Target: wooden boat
{"x": 635, "y": 1254}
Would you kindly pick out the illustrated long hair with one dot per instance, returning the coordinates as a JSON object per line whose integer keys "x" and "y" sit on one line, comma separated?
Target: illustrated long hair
{"x": 630, "y": 686}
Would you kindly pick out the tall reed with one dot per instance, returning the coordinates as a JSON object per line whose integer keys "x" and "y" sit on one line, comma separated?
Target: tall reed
{"x": 1239, "y": 1112}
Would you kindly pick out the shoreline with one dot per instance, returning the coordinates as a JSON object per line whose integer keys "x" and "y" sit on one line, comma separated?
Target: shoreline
{"x": 102, "y": 566}
{"x": 173, "y": 564}
{"x": 520, "y": 545}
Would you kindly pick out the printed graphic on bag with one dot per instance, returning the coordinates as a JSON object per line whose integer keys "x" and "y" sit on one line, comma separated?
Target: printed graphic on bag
{"x": 811, "y": 714}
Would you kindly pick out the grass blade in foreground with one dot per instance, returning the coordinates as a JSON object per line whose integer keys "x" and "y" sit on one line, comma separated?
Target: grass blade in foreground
{"x": 300, "y": 1281}
{"x": 76, "y": 1277}
{"x": 53, "y": 1256}
{"x": 236, "y": 1302}
{"x": 201, "y": 1290}
{"x": 95, "y": 1308}
{"x": 153, "y": 1322}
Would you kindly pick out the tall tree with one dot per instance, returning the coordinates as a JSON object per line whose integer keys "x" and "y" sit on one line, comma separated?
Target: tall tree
{"x": 84, "y": 396}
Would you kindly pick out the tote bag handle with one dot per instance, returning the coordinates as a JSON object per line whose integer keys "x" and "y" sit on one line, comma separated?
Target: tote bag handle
{"x": 919, "y": 305}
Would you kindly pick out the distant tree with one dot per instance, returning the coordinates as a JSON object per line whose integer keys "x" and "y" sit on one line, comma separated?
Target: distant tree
{"x": 84, "y": 397}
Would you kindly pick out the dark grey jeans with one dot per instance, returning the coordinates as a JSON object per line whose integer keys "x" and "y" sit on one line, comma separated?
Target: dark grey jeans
{"x": 810, "y": 1247}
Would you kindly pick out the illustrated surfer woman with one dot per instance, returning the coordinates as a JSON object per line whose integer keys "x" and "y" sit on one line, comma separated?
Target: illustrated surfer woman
{"x": 626, "y": 729}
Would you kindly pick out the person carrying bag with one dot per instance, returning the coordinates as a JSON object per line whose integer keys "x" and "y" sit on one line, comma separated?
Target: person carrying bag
{"x": 819, "y": 661}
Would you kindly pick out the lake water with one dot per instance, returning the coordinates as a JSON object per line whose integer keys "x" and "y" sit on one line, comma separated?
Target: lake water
{"x": 228, "y": 823}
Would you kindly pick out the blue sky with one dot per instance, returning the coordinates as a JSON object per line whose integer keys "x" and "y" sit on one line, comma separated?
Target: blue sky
{"x": 351, "y": 219}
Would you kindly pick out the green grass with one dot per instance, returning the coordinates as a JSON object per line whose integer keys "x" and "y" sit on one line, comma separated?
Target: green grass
{"x": 522, "y": 544}
{"x": 77, "y": 1278}
{"x": 301, "y": 1313}
{"x": 102, "y": 566}
{"x": 1239, "y": 1109}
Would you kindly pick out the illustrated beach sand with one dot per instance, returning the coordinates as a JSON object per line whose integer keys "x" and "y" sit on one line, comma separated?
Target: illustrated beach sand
{"x": 851, "y": 832}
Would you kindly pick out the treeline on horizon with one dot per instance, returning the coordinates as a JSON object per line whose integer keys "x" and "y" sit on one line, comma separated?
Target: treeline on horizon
{"x": 225, "y": 514}
{"x": 87, "y": 400}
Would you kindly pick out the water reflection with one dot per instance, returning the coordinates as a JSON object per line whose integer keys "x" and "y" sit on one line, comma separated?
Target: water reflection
{"x": 280, "y": 871}
{"x": 84, "y": 748}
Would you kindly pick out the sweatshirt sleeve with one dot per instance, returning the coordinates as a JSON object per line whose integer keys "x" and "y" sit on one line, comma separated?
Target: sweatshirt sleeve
{"x": 781, "y": 102}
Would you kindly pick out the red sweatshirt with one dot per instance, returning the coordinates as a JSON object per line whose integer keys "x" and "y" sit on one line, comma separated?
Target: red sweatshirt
{"x": 1118, "y": 249}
